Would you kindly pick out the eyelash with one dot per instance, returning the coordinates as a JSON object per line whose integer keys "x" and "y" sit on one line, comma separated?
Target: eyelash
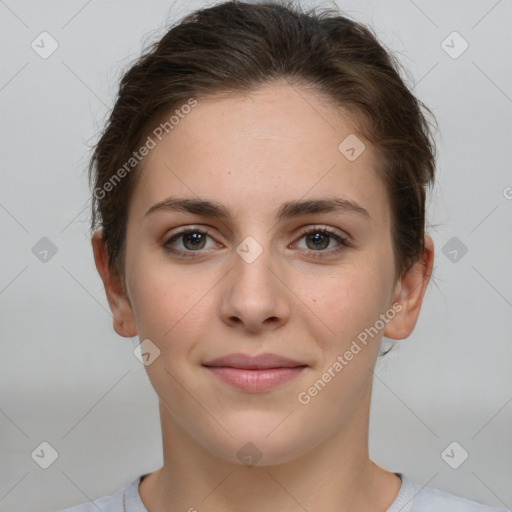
{"x": 344, "y": 242}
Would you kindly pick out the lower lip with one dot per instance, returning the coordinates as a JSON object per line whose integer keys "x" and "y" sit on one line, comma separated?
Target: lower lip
{"x": 255, "y": 381}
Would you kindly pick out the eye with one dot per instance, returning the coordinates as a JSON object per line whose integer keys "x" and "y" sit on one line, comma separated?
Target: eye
{"x": 193, "y": 240}
{"x": 319, "y": 238}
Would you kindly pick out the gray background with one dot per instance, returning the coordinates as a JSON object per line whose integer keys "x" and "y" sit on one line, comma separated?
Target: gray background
{"x": 68, "y": 379}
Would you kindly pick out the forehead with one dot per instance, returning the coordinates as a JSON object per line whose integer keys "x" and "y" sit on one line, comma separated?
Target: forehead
{"x": 253, "y": 152}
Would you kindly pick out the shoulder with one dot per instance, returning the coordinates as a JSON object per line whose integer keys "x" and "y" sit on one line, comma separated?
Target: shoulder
{"x": 106, "y": 504}
{"x": 417, "y": 498}
{"x": 125, "y": 499}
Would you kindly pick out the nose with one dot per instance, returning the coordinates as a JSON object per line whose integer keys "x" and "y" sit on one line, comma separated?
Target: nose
{"x": 255, "y": 297}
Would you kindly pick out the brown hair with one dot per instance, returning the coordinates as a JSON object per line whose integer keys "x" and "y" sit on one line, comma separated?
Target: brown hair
{"x": 236, "y": 47}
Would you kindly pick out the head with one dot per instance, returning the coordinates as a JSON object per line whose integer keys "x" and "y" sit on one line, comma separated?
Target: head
{"x": 253, "y": 114}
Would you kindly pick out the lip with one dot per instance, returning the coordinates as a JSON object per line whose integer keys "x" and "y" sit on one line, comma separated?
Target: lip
{"x": 255, "y": 381}
{"x": 259, "y": 362}
{"x": 255, "y": 374}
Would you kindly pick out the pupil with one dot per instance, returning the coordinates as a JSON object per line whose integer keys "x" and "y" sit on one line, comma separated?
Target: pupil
{"x": 317, "y": 239}
{"x": 196, "y": 239}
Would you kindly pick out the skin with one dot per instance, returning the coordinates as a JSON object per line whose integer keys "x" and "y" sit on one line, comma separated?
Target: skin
{"x": 252, "y": 153}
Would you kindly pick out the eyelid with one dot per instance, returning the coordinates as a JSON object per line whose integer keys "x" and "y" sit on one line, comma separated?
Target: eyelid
{"x": 208, "y": 231}
{"x": 179, "y": 232}
{"x": 327, "y": 229}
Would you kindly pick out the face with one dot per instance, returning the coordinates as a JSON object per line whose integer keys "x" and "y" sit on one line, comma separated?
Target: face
{"x": 306, "y": 285}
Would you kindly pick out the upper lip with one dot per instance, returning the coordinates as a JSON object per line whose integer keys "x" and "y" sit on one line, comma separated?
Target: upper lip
{"x": 260, "y": 362}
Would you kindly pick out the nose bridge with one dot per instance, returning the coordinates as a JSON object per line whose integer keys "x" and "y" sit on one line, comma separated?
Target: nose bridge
{"x": 253, "y": 265}
{"x": 254, "y": 262}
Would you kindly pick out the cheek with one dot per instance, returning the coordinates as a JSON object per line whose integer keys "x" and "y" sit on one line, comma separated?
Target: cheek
{"x": 168, "y": 306}
{"x": 345, "y": 304}
{"x": 349, "y": 303}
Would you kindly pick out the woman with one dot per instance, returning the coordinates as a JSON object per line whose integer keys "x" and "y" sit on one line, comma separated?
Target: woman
{"x": 259, "y": 194}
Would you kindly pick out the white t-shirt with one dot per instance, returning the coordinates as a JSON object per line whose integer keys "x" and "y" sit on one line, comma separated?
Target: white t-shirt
{"x": 411, "y": 498}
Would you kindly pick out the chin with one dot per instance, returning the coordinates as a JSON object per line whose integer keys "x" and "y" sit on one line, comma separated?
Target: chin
{"x": 259, "y": 443}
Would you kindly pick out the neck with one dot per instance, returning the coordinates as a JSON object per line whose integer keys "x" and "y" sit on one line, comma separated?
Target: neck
{"x": 336, "y": 475}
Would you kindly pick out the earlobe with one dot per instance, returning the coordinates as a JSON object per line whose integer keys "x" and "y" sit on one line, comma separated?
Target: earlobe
{"x": 122, "y": 314}
{"x": 409, "y": 292}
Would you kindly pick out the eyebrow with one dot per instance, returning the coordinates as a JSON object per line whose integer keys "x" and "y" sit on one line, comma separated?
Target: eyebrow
{"x": 287, "y": 210}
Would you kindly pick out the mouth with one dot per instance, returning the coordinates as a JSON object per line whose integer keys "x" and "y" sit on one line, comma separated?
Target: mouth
{"x": 255, "y": 374}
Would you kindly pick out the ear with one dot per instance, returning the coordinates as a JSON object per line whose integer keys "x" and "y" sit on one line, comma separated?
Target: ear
{"x": 409, "y": 292}
{"x": 120, "y": 306}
